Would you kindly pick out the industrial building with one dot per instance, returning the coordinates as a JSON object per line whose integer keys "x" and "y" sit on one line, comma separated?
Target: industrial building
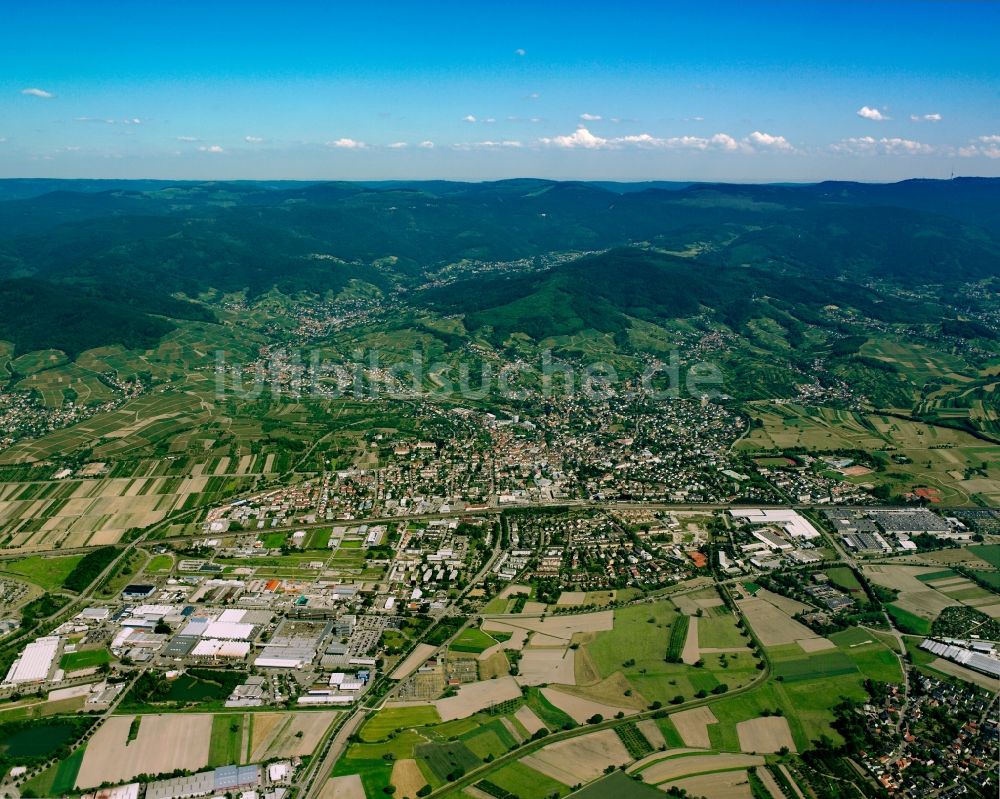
{"x": 786, "y": 519}
{"x": 976, "y": 655}
{"x": 35, "y": 662}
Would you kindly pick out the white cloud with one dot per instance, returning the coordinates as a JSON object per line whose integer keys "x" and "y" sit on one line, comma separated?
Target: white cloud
{"x": 507, "y": 144}
{"x": 398, "y": 145}
{"x": 985, "y": 146}
{"x": 582, "y": 138}
{"x": 489, "y": 120}
{"x": 725, "y": 141}
{"x": 94, "y": 119}
{"x": 252, "y": 139}
{"x": 468, "y": 118}
{"x": 769, "y": 142}
{"x": 590, "y": 117}
{"x": 520, "y": 51}
{"x": 427, "y": 144}
{"x": 212, "y": 148}
{"x": 642, "y": 139}
{"x": 533, "y": 96}
{"x": 38, "y": 93}
{"x": 132, "y": 121}
{"x": 347, "y": 144}
{"x": 926, "y": 117}
{"x": 871, "y": 113}
{"x": 188, "y": 138}
{"x": 869, "y": 145}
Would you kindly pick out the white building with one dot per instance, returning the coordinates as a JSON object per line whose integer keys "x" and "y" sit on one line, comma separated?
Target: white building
{"x": 35, "y": 661}
{"x": 788, "y": 520}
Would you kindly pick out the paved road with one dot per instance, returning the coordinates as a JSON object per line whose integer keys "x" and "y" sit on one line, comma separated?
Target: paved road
{"x": 314, "y": 780}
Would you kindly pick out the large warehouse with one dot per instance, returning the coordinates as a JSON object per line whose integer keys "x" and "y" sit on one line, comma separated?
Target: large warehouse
{"x": 35, "y": 661}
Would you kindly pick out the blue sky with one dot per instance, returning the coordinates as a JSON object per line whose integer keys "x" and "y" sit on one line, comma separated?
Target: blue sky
{"x": 645, "y": 90}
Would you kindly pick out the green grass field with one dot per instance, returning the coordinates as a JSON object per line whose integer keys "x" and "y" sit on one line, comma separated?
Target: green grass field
{"x": 872, "y": 657}
{"x": 388, "y": 720}
{"x": 829, "y": 663}
{"x": 226, "y": 746}
{"x": 59, "y": 779}
{"x": 85, "y": 659}
{"x": 992, "y": 579}
{"x": 159, "y": 563}
{"x": 618, "y": 785}
{"x": 908, "y": 622}
{"x": 47, "y": 572}
{"x": 472, "y": 639}
{"x": 523, "y": 781}
{"x": 641, "y": 641}
{"x": 988, "y": 552}
{"x": 720, "y": 632}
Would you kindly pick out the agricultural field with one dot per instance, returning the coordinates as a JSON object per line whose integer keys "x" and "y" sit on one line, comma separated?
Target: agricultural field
{"x": 279, "y": 735}
{"x": 924, "y": 592}
{"x": 162, "y": 744}
{"x": 226, "y": 746}
{"x": 939, "y": 457}
{"x": 437, "y": 748}
{"x": 472, "y": 640}
{"x": 632, "y": 657}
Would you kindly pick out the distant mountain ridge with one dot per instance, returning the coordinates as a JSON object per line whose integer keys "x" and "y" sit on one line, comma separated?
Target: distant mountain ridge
{"x": 129, "y": 243}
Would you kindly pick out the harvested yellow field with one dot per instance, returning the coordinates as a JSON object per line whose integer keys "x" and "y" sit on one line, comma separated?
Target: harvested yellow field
{"x": 348, "y": 787}
{"x": 407, "y": 777}
{"x": 773, "y": 625}
{"x": 765, "y": 734}
{"x": 675, "y": 768}
{"x": 529, "y": 720}
{"x": 514, "y": 589}
{"x": 264, "y": 725}
{"x": 690, "y": 654}
{"x": 580, "y": 709}
{"x": 727, "y": 785}
{"x": 495, "y": 665}
{"x": 543, "y": 666}
{"x": 571, "y": 598}
{"x": 815, "y": 644}
{"x": 297, "y": 734}
{"x": 790, "y": 606}
{"x": 475, "y": 696}
{"x": 693, "y": 726}
{"x": 579, "y": 759}
{"x": 651, "y": 732}
{"x": 163, "y": 744}
{"x": 413, "y": 661}
{"x": 561, "y": 627}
